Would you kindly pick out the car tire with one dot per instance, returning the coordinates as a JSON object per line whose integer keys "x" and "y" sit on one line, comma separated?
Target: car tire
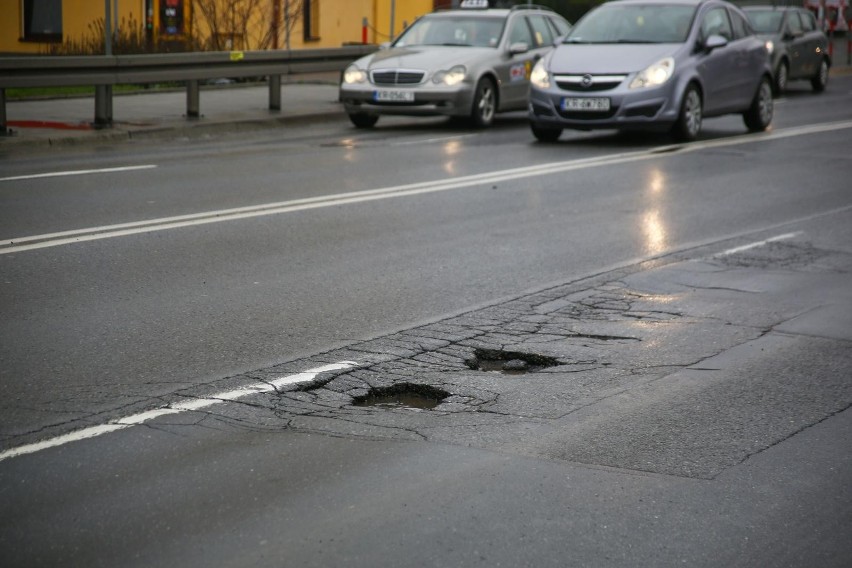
{"x": 484, "y": 103}
{"x": 543, "y": 134}
{"x": 782, "y": 77}
{"x": 820, "y": 80}
{"x": 688, "y": 123}
{"x": 363, "y": 120}
{"x": 759, "y": 115}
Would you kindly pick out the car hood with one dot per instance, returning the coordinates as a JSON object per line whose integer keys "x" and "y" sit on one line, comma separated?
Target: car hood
{"x": 601, "y": 59}
{"x": 433, "y": 57}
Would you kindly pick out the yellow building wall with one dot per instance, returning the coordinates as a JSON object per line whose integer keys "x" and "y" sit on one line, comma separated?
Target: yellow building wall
{"x": 340, "y": 22}
{"x": 77, "y": 15}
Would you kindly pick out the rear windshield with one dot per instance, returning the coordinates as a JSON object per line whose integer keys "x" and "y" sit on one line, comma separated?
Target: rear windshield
{"x": 457, "y": 30}
{"x": 765, "y": 21}
{"x": 652, "y": 23}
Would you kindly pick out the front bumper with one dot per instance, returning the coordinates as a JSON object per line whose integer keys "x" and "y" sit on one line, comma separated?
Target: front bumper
{"x": 428, "y": 100}
{"x": 647, "y": 109}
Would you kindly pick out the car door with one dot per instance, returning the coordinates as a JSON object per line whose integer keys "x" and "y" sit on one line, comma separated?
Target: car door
{"x": 718, "y": 67}
{"x": 514, "y": 69}
{"x": 796, "y": 40}
{"x": 814, "y": 45}
{"x": 751, "y": 57}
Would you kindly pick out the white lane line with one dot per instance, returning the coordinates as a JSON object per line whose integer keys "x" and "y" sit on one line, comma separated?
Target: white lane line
{"x": 15, "y": 245}
{"x": 175, "y": 408}
{"x": 757, "y": 244}
{"x": 431, "y": 140}
{"x": 80, "y": 172}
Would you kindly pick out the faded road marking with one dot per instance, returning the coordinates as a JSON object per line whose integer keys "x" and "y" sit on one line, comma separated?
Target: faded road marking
{"x": 758, "y": 244}
{"x": 80, "y": 172}
{"x": 188, "y": 405}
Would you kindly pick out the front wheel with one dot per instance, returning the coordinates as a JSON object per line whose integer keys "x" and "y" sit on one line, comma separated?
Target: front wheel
{"x": 363, "y": 120}
{"x": 759, "y": 115}
{"x": 688, "y": 123}
{"x": 484, "y": 103}
{"x": 820, "y": 80}
{"x": 543, "y": 134}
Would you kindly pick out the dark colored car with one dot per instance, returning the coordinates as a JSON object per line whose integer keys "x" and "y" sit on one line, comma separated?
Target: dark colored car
{"x": 799, "y": 49}
{"x": 653, "y": 65}
{"x": 471, "y": 62}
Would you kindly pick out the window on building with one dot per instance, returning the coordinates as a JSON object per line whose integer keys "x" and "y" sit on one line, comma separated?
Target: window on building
{"x": 312, "y": 20}
{"x": 42, "y": 20}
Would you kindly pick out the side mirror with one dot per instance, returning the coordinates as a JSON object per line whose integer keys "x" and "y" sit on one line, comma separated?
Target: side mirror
{"x": 518, "y": 48}
{"x": 715, "y": 41}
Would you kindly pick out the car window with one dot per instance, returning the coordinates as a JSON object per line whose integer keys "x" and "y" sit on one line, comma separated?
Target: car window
{"x": 461, "y": 30}
{"x": 715, "y": 22}
{"x": 562, "y": 27}
{"x": 794, "y": 24}
{"x": 766, "y": 21}
{"x": 542, "y": 33}
{"x": 628, "y": 23}
{"x": 519, "y": 31}
{"x": 740, "y": 25}
{"x": 808, "y": 21}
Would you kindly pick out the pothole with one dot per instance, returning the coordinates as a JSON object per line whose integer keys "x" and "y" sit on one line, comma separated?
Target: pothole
{"x": 403, "y": 395}
{"x": 509, "y": 362}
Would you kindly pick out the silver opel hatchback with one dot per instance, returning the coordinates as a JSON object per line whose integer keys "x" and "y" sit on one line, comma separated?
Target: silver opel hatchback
{"x": 653, "y": 65}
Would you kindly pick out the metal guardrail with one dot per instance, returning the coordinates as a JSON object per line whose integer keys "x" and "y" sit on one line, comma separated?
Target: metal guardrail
{"x": 103, "y": 72}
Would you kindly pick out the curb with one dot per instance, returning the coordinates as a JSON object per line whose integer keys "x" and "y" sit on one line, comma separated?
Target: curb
{"x": 189, "y": 131}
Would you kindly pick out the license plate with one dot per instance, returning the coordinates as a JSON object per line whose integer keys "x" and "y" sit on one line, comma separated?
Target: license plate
{"x": 591, "y": 104}
{"x": 394, "y": 96}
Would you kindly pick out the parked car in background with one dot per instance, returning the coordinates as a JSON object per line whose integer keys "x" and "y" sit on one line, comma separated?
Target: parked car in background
{"x": 653, "y": 64}
{"x": 471, "y": 62}
{"x": 799, "y": 49}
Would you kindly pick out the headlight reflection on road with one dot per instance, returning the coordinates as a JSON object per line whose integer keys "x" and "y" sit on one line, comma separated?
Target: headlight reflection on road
{"x": 451, "y": 149}
{"x": 653, "y": 224}
{"x": 349, "y": 145}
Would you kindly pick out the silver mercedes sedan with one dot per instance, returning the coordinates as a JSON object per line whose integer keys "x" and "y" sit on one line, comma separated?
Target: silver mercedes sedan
{"x": 653, "y": 65}
{"x": 471, "y": 62}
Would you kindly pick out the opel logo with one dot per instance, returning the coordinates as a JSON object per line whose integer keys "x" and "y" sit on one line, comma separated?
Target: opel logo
{"x": 586, "y": 81}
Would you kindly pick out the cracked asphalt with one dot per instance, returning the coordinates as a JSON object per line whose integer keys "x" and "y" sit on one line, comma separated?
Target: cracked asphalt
{"x": 684, "y": 366}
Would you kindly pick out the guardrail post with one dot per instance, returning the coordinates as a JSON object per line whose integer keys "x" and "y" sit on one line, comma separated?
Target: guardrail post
{"x": 103, "y": 106}
{"x": 3, "y": 130}
{"x": 274, "y": 92}
{"x": 192, "y": 99}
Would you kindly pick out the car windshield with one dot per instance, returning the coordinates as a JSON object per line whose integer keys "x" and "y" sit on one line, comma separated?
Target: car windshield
{"x": 765, "y": 21}
{"x": 649, "y": 23}
{"x": 457, "y": 30}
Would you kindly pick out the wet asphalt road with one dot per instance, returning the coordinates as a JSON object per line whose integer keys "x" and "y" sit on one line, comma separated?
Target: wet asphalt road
{"x": 698, "y": 413}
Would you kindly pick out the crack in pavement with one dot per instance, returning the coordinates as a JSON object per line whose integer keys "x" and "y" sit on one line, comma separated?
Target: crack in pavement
{"x": 657, "y": 326}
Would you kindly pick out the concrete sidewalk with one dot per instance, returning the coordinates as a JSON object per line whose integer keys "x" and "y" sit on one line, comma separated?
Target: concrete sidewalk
{"x": 162, "y": 113}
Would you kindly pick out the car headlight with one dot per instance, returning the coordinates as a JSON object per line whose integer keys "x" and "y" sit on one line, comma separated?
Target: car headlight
{"x": 539, "y": 76}
{"x": 450, "y": 78}
{"x": 354, "y": 75}
{"x": 770, "y": 47}
{"x": 655, "y": 75}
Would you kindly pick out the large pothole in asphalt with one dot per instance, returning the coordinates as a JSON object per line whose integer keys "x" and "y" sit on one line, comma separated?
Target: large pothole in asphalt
{"x": 403, "y": 395}
{"x": 509, "y": 362}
